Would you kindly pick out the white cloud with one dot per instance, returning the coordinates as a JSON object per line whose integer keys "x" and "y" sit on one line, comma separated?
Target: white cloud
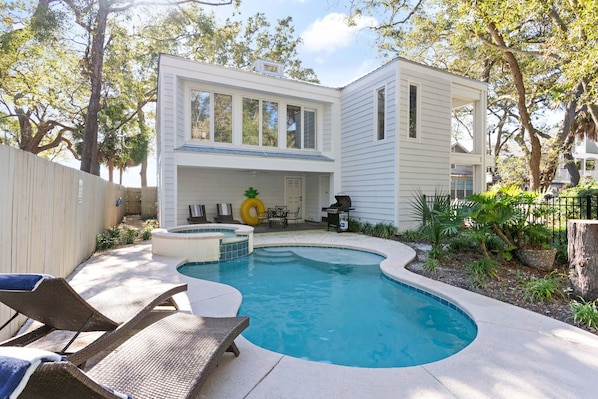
{"x": 333, "y": 32}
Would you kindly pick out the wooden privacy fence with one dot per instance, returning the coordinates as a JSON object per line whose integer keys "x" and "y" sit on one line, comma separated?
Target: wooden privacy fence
{"x": 50, "y": 215}
{"x": 142, "y": 201}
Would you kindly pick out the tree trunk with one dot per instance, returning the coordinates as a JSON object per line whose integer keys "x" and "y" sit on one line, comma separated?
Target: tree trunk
{"x": 583, "y": 262}
{"x": 89, "y": 156}
{"x": 143, "y": 173}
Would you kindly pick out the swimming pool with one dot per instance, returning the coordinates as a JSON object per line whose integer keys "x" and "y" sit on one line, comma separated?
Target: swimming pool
{"x": 334, "y": 305}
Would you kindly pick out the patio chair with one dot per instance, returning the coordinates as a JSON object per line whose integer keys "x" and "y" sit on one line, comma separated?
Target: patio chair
{"x": 64, "y": 314}
{"x": 171, "y": 358}
{"x": 225, "y": 214}
{"x": 197, "y": 214}
{"x": 278, "y": 215}
{"x": 294, "y": 216}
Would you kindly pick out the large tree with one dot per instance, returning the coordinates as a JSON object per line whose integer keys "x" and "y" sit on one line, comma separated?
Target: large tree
{"x": 531, "y": 53}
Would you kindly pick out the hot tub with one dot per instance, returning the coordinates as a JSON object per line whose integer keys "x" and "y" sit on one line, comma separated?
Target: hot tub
{"x": 204, "y": 243}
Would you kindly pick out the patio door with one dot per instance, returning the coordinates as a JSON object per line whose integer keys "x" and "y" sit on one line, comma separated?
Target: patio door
{"x": 294, "y": 194}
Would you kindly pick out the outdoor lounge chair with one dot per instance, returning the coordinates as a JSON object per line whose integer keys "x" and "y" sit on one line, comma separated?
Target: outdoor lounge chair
{"x": 64, "y": 314}
{"x": 168, "y": 359}
{"x": 225, "y": 214}
{"x": 197, "y": 214}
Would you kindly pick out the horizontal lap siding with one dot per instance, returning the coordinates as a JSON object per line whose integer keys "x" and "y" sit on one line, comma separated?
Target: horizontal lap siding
{"x": 424, "y": 165}
{"x": 210, "y": 187}
{"x": 368, "y": 166}
{"x": 170, "y": 120}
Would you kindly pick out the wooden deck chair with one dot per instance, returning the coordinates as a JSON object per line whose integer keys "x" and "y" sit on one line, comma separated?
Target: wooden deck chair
{"x": 225, "y": 214}
{"x": 197, "y": 214}
{"x": 64, "y": 314}
{"x": 171, "y": 358}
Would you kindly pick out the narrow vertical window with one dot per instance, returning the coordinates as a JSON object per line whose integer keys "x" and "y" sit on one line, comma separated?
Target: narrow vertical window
{"x": 381, "y": 113}
{"x": 223, "y": 118}
{"x": 200, "y": 115}
{"x": 309, "y": 129}
{"x": 293, "y": 126}
{"x": 269, "y": 124}
{"x": 251, "y": 123}
{"x": 413, "y": 111}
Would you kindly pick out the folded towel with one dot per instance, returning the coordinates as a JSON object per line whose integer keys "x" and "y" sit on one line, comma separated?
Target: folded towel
{"x": 21, "y": 281}
{"x": 17, "y": 365}
{"x": 224, "y": 209}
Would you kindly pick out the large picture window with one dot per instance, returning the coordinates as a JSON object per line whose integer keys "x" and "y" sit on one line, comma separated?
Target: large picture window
{"x": 301, "y": 127}
{"x": 211, "y": 112}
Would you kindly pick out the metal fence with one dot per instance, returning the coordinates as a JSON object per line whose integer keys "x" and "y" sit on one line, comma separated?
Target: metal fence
{"x": 555, "y": 211}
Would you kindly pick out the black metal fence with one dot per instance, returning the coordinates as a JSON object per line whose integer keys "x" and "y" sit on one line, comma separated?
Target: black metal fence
{"x": 562, "y": 209}
{"x": 555, "y": 211}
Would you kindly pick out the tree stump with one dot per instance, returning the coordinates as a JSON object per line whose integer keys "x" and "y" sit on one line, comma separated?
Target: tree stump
{"x": 582, "y": 237}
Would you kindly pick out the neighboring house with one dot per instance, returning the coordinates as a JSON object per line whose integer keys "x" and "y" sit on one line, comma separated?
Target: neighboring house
{"x": 585, "y": 152}
{"x": 379, "y": 139}
{"x": 461, "y": 176}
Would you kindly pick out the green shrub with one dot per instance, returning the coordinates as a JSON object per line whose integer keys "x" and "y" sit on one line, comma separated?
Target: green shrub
{"x": 367, "y": 228}
{"x": 431, "y": 265}
{"x": 148, "y": 226}
{"x": 410, "y": 235}
{"x": 127, "y": 235}
{"x": 541, "y": 289}
{"x": 584, "y": 312}
{"x": 355, "y": 225}
{"x": 108, "y": 239}
{"x": 384, "y": 230}
{"x": 480, "y": 270}
{"x": 462, "y": 242}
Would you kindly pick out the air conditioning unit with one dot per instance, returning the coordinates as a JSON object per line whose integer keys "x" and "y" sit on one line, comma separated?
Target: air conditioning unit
{"x": 268, "y": 67}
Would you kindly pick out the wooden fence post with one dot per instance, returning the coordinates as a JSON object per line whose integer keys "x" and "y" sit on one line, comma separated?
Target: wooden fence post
{"x": 582, "y": 237}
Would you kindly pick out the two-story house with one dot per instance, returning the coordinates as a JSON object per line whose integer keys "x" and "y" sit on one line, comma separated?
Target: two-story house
{"x": 379, "y": 139}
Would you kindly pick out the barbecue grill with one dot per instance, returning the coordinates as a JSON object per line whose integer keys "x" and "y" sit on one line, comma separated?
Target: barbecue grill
{"x": 338, "y": 213}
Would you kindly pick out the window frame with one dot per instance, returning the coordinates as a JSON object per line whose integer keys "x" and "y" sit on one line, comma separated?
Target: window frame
{"x": 300, "y": 136}
{"x": 377, "y": 136}
{"x": 417, "y": 126}
{"x": 189, "y": 111}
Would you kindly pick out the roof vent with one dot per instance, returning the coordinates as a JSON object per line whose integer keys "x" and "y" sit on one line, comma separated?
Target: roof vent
{"x": 268, "y": 67}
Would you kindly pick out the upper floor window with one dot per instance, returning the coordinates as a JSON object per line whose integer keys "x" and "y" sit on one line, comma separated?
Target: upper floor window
{"x": 301, "y": 127}
{"x": 260, "y": 122}
{"x": 211, "y": 116}
{"x": 413, "y": 111}
{"x": 380, "y": 113}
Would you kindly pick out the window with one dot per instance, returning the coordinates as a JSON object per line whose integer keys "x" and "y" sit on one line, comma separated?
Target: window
{"x": 298, "y": 129}
{"x": 204, "y": 105}
{"x": 380, "y": 112}
{"x": 200, "y": 115}
{"x": 251, "y": 122}
{"x": 269, "y": 124}
{"x": 260, "y": 122}
{"x": 461, "y": 187}
{"x": 413, "y": 111}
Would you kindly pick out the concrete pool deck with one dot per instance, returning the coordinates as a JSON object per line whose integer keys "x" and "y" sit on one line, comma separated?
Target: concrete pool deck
{"x": 517, "y": 353}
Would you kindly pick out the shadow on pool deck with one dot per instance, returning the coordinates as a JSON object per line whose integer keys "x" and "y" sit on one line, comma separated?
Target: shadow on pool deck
{"x": 517, "y": 353}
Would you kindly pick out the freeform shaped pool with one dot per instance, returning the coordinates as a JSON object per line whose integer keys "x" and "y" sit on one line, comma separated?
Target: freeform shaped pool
{"x": 334, "y": 305}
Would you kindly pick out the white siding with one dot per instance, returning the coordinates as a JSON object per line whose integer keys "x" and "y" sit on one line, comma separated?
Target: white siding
{"x": 368, "y": 166}
{"x": 166, "y": 139}
{"x": 424, "y": 163}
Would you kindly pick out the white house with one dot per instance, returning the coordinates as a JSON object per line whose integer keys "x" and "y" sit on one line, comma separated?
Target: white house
{"x": 585, "y": 152}
{"x": 378, "y": 139}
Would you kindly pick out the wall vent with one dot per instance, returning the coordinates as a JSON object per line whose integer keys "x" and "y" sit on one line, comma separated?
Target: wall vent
{"x": 268, "y": 67}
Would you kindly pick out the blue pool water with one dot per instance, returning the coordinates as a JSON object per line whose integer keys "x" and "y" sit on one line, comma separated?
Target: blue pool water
{"x": 334, "y": 305}
{"x": 228, "y": 233}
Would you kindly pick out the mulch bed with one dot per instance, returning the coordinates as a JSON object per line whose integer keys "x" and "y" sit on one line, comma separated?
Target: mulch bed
{"x": 506, "y": 287}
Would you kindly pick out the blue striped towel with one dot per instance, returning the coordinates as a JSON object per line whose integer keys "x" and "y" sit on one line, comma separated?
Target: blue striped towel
{"x": 17, "y": 365}
{"x": 21, "y": 281}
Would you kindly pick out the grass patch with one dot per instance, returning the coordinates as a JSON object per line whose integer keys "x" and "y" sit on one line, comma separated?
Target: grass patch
{"x": 543, "y": 289}
{"x": 584, "y": 312}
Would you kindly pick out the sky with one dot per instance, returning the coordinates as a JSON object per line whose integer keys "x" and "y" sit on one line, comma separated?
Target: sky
{"x": 336, "y": 52}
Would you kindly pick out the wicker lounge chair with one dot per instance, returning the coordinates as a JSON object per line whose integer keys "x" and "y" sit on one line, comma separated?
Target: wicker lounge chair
{"x": 197, "y": 214}
{"x": 169, "y": 359}
{"x": 225, "y": 214}
{"x": 64, "y": 314}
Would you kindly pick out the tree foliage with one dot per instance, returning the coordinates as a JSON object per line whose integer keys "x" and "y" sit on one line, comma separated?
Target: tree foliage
{"x": 83, "y": 72}
{"x": 533, "y": 53}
